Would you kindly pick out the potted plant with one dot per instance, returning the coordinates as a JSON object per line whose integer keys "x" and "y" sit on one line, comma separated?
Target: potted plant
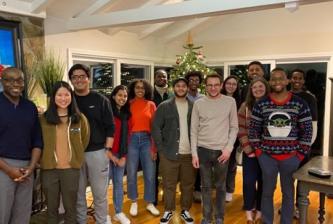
{"x": 48, "y": 69}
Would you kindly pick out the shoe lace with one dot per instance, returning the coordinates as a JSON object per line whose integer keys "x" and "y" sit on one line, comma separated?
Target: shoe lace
{"x": 166, "y": 214}
{"x": 186, "y": 214}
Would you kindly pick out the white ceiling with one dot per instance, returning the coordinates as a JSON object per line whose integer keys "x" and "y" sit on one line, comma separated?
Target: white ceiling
{"x": 166, "y": 19}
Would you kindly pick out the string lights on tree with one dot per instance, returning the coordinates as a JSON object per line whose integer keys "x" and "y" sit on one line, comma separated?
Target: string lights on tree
{"x": 192, "y": 60}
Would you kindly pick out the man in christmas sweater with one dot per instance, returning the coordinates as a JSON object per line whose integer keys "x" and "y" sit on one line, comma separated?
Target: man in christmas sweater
{"x": 280, "y": 131}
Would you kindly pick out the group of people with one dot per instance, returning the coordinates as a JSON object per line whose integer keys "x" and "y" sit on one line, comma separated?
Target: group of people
{"x": 84, "y": 138}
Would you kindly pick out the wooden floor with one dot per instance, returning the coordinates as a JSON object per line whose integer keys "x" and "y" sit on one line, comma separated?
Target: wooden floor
{"x": 233, "y": 214}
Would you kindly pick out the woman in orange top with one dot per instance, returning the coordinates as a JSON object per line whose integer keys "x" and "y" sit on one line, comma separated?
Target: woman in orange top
{"x": 140, "y": 145}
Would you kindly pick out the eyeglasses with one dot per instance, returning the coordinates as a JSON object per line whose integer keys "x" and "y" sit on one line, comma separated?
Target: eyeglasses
{"x": 79, "y": 77}
{"x": 213, "y": 86}
{"x": 11, "y": 81}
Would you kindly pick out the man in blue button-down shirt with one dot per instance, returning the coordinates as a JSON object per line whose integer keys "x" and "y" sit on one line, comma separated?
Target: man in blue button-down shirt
{"x": 20, "y": 149}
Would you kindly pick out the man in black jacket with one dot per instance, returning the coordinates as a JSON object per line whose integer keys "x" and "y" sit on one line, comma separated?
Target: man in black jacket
{"x": 171, "y": 131}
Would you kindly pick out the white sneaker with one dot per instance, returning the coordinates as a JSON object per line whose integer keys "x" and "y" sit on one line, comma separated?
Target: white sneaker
{"x": 166, "y": 217}
{"x": 228, "y": 197}
{"x": 134, "y": 209}
{"x": 108, "y": 220}
{"x": 121, "y": 217}
{"x": 152, "y": 209}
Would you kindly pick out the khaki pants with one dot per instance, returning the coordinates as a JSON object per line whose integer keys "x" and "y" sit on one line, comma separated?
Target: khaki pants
{"x": 174, "y": 171}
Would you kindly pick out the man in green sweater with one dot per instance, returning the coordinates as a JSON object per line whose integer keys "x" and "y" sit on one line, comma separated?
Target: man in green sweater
{"x": 214, "y": 128}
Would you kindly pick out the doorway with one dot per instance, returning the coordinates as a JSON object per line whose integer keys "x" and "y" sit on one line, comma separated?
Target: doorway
{"x": 315, "y": 82}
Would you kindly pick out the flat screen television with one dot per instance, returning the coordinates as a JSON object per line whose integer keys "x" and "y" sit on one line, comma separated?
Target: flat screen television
{"x": 10, "y": 45}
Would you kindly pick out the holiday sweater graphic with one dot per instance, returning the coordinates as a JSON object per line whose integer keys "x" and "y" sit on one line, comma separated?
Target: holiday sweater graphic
{"x": 281, "y": 128}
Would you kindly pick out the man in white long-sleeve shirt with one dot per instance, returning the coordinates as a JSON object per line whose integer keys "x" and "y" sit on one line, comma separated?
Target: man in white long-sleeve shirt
{"x": 214, "y": 128}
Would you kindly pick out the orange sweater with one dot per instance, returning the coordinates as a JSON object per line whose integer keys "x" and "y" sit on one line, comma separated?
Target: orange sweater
{"x": 142, "y": 112}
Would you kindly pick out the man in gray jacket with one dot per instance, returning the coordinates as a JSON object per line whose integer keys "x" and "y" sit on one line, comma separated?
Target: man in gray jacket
{"x": 170, "y": 131}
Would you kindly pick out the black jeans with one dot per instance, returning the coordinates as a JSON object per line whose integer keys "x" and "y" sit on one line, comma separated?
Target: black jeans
{"x": 231, "y": 174}
{"x": 212, "y": 171}
{"x": 252, "y": 183}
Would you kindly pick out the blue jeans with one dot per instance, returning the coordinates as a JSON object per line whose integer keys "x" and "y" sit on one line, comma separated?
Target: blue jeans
{"x": 270, "y": 168}
{"x": 116, "y": 174}
{"x": 139, "y": 149}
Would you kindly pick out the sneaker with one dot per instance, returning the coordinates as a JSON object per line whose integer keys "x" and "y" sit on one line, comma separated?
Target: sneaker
{"x": 108, "y": 219}
{"x": 152, "y": 209}
{"x": 296, "y": 213}
{"x": 228, "y": 197}
{"x": 134, "y": 209}
{"x": 185, "y": 215}
{"x": 166, "y": 217}
{"x": 121, "y": 217}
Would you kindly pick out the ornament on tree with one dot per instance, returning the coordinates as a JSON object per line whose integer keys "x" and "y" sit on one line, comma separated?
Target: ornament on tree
{"x": 200, "y": 56}
{"x": 192, "y": 60}
{"x": 178, "y": 60}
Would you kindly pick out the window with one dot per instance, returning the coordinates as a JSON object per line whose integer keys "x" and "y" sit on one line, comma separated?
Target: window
{"x": 102, "y": 74}
{"x": 218, "y": 69}
{"x": 9, "y": 45}
{"x": 132, "y": 71}
{"x": 102, "y": 78}
{"x": 241, "y": 72}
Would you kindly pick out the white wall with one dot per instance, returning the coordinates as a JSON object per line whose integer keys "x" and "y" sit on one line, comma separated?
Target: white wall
{"x": 270, "y": 32}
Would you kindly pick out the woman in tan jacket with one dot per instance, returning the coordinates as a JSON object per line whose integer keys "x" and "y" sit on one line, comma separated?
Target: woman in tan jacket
{"x": 65, "y": 135}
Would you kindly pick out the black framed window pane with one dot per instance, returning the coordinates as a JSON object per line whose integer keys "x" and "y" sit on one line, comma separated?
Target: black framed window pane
{"x": 241, "y": 72}
{"x": 102, "y": 78}
{"x": 130, "y": 72}
{"x": 218, "y": 69}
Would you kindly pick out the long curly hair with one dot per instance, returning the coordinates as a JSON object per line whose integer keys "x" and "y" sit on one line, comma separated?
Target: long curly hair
{"x": 146, "y": 85}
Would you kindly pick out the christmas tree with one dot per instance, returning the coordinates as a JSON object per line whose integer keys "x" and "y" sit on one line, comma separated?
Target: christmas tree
{"x": 192, "y": 60}
{"x": 241, "y": 72}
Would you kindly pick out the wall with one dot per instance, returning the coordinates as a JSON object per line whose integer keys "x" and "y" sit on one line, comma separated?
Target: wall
{"x": 123, "y": 43}
{"x": 266, "y": 33}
